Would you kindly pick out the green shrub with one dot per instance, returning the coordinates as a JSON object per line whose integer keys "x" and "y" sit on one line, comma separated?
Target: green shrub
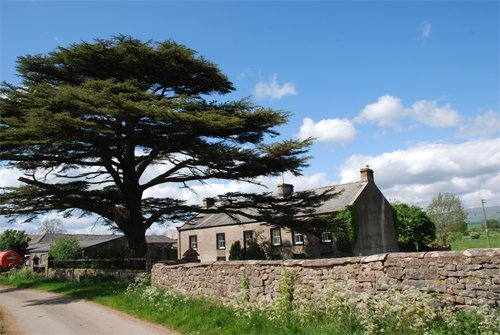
{"x": 415, "y": 229}
{"x": 65, "y": 248}
{"x": 235, "y": 252}
{"x": 254, "y": 250}
{"x": 474, "y": 235}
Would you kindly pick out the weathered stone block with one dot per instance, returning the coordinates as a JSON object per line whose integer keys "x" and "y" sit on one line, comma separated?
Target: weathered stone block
{"x": 414, "y": 274}
{"x": 395, "y": 272}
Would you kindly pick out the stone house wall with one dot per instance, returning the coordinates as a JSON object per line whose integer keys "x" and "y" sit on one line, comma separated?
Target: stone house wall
{"x": 464, "y": 279}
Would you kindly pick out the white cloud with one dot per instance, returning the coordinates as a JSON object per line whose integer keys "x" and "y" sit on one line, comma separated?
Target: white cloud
{"x": 481, "y": 126}
{"x": 389, "y": 111}
{"x": 328, "y": 130}
{"x": 417, "y": 174}
{"x": 273, "y": 90}
{"x": 9, "y": 177}
{"x": 425, "y": 30}
{"x": 430, "y": 114}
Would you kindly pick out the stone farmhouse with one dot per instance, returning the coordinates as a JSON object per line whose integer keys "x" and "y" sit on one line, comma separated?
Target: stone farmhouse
{"x": 211, "y": 235}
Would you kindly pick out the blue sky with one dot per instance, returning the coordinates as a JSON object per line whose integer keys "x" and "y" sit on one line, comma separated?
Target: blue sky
{"x": 410, "y": 88}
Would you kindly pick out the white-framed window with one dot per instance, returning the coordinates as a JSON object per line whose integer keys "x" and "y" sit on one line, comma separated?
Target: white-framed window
{"x": 221, "y": 241}
{"x": 326, "y": 237}
{"x": 247, "y": 238}
{"x": 298, "y": 238}
{"x": 193, "y": 242}
{"x": 221, "y": 258}
{"x": 276, "y": 236}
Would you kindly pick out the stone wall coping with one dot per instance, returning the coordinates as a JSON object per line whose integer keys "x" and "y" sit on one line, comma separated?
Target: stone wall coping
{"x": 325, "y": 262}
{"x": 492, "y": 252}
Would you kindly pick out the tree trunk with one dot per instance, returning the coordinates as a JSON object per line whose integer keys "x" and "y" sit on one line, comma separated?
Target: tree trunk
{"x": 137, "y": 244}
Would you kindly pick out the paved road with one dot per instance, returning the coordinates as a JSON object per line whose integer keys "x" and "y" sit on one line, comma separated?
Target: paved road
{"x": 37, "y": 312}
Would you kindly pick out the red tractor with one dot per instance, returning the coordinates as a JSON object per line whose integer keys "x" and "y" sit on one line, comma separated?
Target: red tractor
{"x": 9, "y": 259}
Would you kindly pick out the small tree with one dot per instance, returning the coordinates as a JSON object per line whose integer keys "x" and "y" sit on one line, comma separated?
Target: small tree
{"x": 16, "y": 240}
{"x": 448, "y": 214}
{"x": 235, "y": 252}
{"x": 415, "y": 229}
{"x": 65, "y": 248}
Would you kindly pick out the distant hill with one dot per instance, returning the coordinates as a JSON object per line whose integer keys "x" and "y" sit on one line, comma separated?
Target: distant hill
{"x": 475, "y": 215}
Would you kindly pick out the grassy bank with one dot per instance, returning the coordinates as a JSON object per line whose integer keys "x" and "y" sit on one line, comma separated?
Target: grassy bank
{"x": 397, "y": 313}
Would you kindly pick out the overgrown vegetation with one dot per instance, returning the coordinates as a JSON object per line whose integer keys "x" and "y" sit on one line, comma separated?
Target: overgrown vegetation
{"x": 345, "y": 229}
{"x": 393, "y": 312}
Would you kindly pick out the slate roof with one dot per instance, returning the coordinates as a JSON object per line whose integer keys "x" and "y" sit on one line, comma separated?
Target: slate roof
{"x": 349, "y": 193}
{"x": 159, "y": 239}
{"x": 42, "y": 243}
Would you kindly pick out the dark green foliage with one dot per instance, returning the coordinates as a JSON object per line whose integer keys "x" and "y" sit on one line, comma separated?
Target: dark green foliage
{"x": 474, "y": 235}
{"x": 254, "y": 250}
{"x": 236, "y": 252}
{"x": 493, "y": 224}
{"x": 448, "y": 214}
{"x": 65, "y": 248}
{"x": 16, "y": 240}
{"x": 415, "y": 229}
{"x": 89, "y": 120}
{"x": 345, "y": 229}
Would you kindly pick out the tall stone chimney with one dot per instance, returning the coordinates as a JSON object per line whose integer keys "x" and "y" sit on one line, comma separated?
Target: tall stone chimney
{"x": 285, "y": 190}
{"x": 208, "y": 202}
{"x": 367, "y": 174}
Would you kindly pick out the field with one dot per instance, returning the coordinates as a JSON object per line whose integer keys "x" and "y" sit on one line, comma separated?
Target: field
{"x": 468, "y": 243}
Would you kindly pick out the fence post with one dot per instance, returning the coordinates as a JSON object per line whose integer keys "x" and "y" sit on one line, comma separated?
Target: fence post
{"x": 47, "y": 268}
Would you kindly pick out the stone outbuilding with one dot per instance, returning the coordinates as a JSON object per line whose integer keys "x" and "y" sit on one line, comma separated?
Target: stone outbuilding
{"x": 99, "y": 246}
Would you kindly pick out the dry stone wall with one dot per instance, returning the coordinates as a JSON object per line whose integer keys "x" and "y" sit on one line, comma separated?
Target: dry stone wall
{"x": 76, "y": 274}
{"x": 465, "y": 279}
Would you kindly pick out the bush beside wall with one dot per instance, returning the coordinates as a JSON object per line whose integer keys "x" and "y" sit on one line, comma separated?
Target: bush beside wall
{"x": 464, "y": 279}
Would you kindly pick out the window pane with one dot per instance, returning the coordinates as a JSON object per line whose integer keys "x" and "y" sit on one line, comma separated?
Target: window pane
{"x": 247, "y": 237}
{"x": 193, "y": 243}
{"x": 221, "y": 241}
{"x": 298, "y": 238}
{"x": 276, "y": 236}
{"x": 326, "y": 237}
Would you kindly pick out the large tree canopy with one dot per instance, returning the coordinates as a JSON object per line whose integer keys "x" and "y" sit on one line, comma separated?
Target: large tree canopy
{"x": 87, "y": 121}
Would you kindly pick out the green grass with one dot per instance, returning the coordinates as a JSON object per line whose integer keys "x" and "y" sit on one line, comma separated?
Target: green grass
{"x": 467, "y": 243}
{"x": 200, "y": 316}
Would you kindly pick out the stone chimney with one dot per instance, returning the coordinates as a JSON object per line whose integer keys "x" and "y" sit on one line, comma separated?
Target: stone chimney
{"x": 208, "y": 202}
{"x": 367, "y": 174}
{"x": 285, "y": 190}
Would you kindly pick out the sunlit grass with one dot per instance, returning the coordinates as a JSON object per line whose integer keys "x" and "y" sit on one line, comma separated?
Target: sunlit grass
{"x": 468, "y": 243}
